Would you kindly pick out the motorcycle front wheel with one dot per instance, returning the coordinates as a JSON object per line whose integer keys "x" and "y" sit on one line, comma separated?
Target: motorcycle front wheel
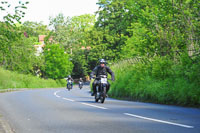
{"x": 96, "y": 99}
{"x": 68, "y": 87}
{"x": 102, "y": 99}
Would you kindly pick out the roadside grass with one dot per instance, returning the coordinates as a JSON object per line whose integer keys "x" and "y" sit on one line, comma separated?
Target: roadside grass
{"x": 161, "y": 82}
{"x": 13, "y": 80}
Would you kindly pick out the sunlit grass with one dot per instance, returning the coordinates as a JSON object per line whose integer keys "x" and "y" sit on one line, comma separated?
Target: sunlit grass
{"x": 11, "y": 80}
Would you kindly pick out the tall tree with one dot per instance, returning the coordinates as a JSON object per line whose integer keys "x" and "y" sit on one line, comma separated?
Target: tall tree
{"x": 16, "y": 51}
{"x": 57, "y": 62}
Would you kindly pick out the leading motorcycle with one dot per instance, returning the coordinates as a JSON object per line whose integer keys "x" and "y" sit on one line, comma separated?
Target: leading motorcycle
{"x": 101, "y": 88}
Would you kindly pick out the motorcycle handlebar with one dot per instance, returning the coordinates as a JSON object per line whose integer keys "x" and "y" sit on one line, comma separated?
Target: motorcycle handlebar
{"x": 100, "y": 78}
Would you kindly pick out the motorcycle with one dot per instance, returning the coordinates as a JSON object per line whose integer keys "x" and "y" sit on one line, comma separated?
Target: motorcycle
{"x": 80, "y": 84}
{"x": 69, "y": 84}
{"x": 101, "y": 88}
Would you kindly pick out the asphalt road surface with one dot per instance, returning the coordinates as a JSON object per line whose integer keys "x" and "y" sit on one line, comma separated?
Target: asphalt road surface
{"x": 74, "y": 111}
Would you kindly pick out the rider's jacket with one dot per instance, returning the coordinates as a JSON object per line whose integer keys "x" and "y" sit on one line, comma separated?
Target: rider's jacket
{"x": 98, "y": 70}
{"x": 70, "y": 79}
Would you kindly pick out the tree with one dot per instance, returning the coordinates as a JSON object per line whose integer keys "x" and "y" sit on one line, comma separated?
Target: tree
{"x": 57, "y": 62}
{"x": 70, "y": 32}
{"x": 19, "y": 12}
{"x": 79, "y": 61}
{"x": 16, "y": 51}
{"x": 113, "y": 20}
{"x": 34, "y": 29}
{"x": 73, "y": 33}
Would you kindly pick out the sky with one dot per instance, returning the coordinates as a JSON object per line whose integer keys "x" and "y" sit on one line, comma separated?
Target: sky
{"x": 41, "y": 10}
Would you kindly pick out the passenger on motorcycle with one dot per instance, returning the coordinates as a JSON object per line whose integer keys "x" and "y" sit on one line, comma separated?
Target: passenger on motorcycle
{"x": 101, "y": 69}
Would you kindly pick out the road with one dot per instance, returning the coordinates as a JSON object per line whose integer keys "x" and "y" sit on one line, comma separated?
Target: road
{"x": 61, "y": 111}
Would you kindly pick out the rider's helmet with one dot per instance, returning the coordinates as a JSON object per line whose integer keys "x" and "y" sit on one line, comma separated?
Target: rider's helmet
{"x": 102, "y": 61}
{"x": 69, "y": 76}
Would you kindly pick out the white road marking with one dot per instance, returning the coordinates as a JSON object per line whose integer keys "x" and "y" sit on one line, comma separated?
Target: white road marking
{"x": 58, "y": 96}
{"x": 55, "y": 93}
{"x": 68, "y": 99}
{"x": 94, "y": 106}
{"x": 137, "y": 116}
{"x": 161, "y": 121}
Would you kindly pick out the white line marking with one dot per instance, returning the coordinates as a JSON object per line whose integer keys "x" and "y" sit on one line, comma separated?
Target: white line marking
{"x": 55, "y": 93}
{"x": 161, "y": 121}
{"x": 68, "y": 99}
{"x": 94, "y": 106}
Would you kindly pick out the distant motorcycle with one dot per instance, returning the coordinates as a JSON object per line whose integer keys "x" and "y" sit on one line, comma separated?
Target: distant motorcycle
{"x": 80, "y": 84}
{"x": 69, "y": 85}
{"x": 101, "y": 88}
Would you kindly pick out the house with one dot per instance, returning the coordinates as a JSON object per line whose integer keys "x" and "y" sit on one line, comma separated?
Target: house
{"x": 40, "y": 46}
{"x": 42, "y": 37}
{"x": 39, "y": 49}
{"x": 87, "y": 47}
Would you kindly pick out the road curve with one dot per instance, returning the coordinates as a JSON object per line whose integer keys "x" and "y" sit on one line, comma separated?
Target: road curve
{"x": 61, "y": 111}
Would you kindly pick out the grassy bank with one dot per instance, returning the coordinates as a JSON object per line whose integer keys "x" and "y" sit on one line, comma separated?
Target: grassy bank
{"x": 10, "y": 79}
{"x": 159, "y": 80}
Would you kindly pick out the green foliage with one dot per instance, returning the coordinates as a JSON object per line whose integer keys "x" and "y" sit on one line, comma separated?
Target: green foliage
{"x": 57, "y": 63}
{"x": 19, "y": 12}
{"x": 71, "y": 32}
{"x": 189, "y": 68}
{"x": 142, "y": 43}
{"x": 161, "y": 68}
{"x": 159, "y": 80}
{"x": 147, "y": 28}
{"x": 80, "y": 68}
{"x": 11, "y": 80}
{"x": 113, "y": 21}
{"x": 16, "y": 51}
{"x": 97, "y": 52}
{"x": 34, "y": 29}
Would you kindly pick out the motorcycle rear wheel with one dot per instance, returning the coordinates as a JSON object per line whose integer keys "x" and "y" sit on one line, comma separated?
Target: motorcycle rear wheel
{"x": 102, "y": 99}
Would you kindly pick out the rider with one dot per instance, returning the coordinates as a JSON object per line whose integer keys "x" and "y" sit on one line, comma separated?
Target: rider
{"x": 80, "y": 81}
{"x": 70, "y": 78}
{"x": 101, "y": 69}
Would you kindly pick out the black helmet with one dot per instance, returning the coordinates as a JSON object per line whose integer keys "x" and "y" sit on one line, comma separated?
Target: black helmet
{"x": 102, "y": 61}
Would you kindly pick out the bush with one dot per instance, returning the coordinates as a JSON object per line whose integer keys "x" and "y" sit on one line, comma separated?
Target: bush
{"x": 160, "y": 80}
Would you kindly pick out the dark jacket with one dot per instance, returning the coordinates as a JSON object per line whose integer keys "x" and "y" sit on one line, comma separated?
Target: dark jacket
{"x": 70, "y": 79}
{"x": 98, "y": 70}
